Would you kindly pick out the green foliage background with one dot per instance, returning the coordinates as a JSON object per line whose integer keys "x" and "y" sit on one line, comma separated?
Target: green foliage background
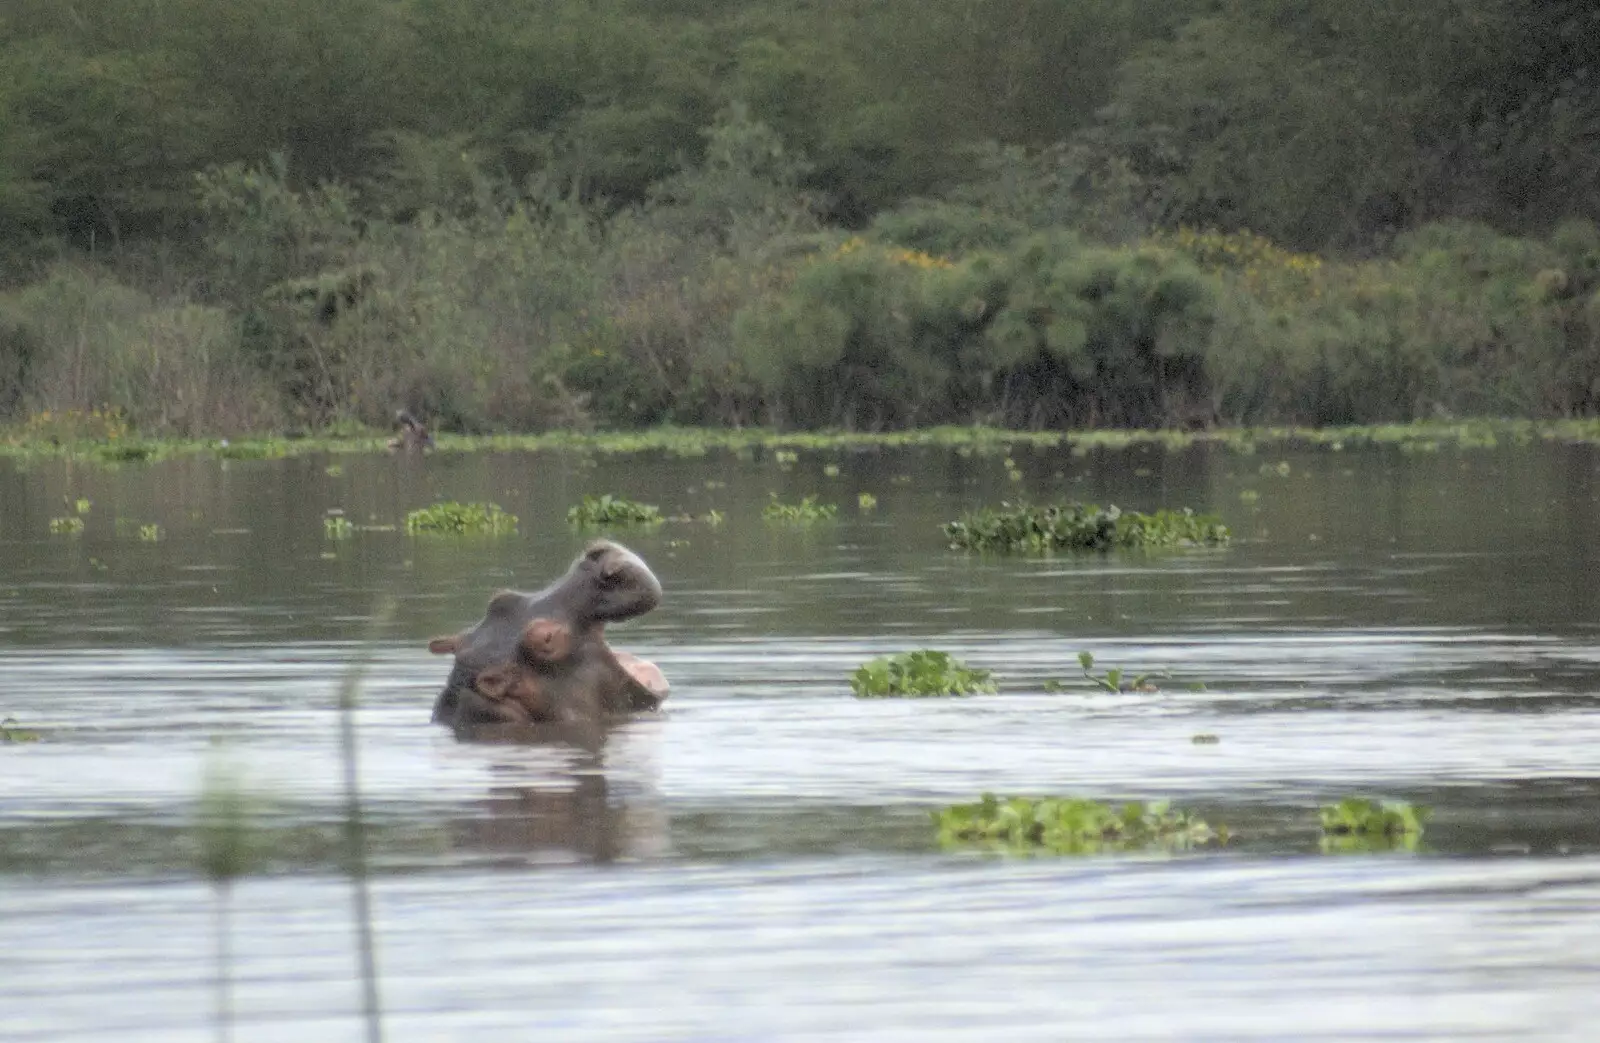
{"x": 524, "y": 214}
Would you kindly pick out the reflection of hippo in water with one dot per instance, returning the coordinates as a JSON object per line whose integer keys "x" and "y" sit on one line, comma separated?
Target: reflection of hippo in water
{"x": 543, "y": 657}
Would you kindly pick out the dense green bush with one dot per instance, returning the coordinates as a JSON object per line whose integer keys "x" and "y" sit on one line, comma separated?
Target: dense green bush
{"x": 78, "y": 340}
{"x": 1050, "y": 332}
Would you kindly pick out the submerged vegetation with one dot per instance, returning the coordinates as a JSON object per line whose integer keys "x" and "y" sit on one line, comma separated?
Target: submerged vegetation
{"x": 452, "y": 518}
{"x": 1070, "y": 825}
{"x": 607, "y": 509}
{"x": 1077, "y": 526}
{"x": 919, "y": 673}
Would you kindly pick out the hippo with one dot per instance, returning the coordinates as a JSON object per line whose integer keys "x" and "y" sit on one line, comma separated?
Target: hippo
{"x": 542, "y": 657}
{"x": 410, "y": 436}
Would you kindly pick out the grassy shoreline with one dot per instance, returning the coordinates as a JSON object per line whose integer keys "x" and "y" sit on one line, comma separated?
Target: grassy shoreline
{"x": 680, "y": 441}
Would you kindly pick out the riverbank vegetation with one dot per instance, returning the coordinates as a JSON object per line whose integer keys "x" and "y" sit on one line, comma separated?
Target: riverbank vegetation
{"x": 533, "y": 216}
{"x": 21, "y": 441}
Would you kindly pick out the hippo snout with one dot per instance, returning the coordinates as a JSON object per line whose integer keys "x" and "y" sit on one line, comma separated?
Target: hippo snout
{"x": 625, "y": 586}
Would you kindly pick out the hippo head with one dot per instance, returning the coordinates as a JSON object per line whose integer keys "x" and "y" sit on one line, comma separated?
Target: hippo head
{"x": 543, "y": 656}
{"x": 617, "y": 583}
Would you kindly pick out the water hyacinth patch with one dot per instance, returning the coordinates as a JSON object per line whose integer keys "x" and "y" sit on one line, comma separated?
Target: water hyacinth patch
{"x": 452, "y": 518}
{"x": 68, "y": 526}
{"x": 1070, "y": 825}
{"x": 1077, "y": 526}
{"x": 918, "y": 674}
{"x": 807, "y": 511}
{"x": 12, "y": 732}
{"x": 1363, "y": 817}
{"x": 612, "y": 510}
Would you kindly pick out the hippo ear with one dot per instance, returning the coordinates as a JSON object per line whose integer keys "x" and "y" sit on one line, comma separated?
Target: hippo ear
{"x": 445, "y": 645}
{"x": 546, "y": 641}
{"x": 492, "y": 682}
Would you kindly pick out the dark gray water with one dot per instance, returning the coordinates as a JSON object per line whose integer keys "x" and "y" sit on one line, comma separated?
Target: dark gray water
{"x": 757, "y": 862}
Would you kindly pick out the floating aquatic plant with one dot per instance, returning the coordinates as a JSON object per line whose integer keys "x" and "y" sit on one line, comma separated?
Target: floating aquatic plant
{"x": 81, "y": 505}
{"x": 336, "y": 526}
{"x": 151, "y": 533}
{"x": 867, "y": 502}
{"x": 807, "y": 511}
{"x": 11, "y": 731}
{"x": 1360, "y": 816}
{"x": 1117, "y": 679}
{"x": 1077, "y": 526}
{"x": 1070, "y": 825}
{"x": 1112, "y": 680}
{"x": 923, "y": 672}
{"x": 450, "y": 517}
{"x": 70, "y": 525}
{"x": 613, "y": 510}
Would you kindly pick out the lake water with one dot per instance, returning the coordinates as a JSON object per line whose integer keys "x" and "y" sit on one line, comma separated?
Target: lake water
{"x": 757, "y": 862}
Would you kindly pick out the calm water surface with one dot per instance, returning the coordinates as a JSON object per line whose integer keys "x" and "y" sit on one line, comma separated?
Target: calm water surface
{"x": 756, "y": 862}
